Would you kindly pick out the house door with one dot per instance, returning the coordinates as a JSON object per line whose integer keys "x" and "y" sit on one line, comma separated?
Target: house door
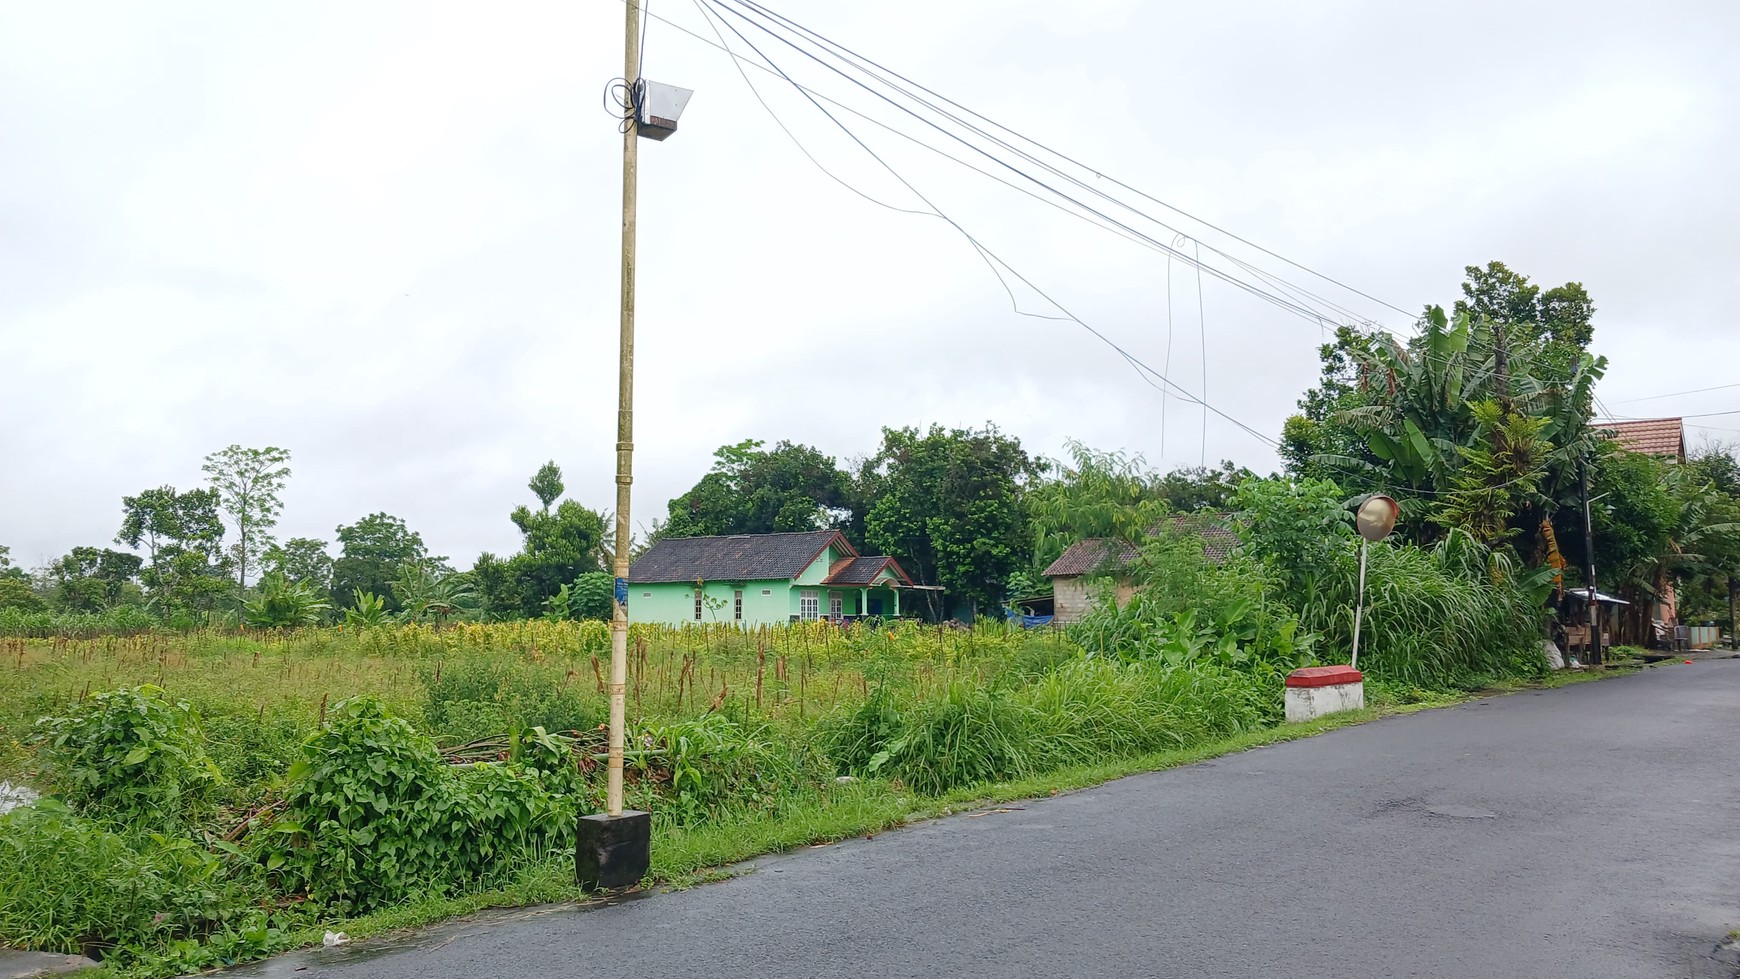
{"x": 875, "y": 606}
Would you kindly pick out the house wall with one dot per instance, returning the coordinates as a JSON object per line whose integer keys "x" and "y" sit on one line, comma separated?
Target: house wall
{"x": 1073, "y": 596}
{"x": 673, "y": 603}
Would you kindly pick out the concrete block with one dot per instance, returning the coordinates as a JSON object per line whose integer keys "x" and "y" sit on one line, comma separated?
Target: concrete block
{"x": 613, "y": 851}
{"x": 1321, "y": 690}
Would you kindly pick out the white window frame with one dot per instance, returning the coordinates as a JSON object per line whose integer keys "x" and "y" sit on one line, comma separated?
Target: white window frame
{"x": 737, "y": 609}
{"x": 836, "y": 606}
{"x": 809, "y": 605}
{"x": 697, "y": 605}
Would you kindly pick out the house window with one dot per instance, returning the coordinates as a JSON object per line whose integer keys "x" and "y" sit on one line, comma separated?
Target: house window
{"x": 836, "y": 606}
{"x": 737, "y": 605}
{"x": 646, "y": 594}
{"x": 767, "y": 591}
{"x": 809, "y": 605}
{"x": 697, "y": 605}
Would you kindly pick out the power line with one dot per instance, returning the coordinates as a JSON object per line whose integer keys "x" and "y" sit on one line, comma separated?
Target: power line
{"x": 986, "y": 253}
{"x": 1678, "y": 394}
{"x": 1279, "y": 301}
{"x": 1061, "y": 155}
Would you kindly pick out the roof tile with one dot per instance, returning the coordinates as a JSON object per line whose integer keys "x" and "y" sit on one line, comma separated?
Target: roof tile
{"x": 744, "y": 557}
{"x": 1650, "y": 436}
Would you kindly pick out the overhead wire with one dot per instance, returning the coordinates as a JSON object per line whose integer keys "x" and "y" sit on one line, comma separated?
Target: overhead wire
{"x": 847, "y": 53}
{"x": 1283, "y": 302}
{"x": 1677, "y": 394}
{"x": 990, "y": 257}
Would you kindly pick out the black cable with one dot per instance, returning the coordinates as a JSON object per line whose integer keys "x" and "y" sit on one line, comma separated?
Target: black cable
{"x": 1676, "y": 394}
{"x": 985, "y": 252}
{"x": 1281, "y": 302}
{"x": 1063, "y": 156}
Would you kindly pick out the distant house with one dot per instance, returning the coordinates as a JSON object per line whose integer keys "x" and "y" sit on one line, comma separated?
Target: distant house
{"x": 1075, "y": 571}
{"x": 1661, "y": 437}
{"x": 762, "y": 579}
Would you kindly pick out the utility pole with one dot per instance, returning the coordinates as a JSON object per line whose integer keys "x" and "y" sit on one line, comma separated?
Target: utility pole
{"x": 614, "y": 849}
{"x": 1594, "y": 638}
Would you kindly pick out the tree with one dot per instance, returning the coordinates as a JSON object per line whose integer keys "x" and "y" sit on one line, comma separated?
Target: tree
{"x": 16, "y": 593}
{"x": 89, "y": 579}
{"x": 7, "y": 568}
{"x": 546, "y": 484}
{"x": 423, "y": 592}
{"x": 557, "y": 546}
{"x": 1202, "y": 487}
{"x": 248, "y": 482}
{"x": 371, "y": 553}
{"x": 750, "y": 490}
{"x": 948, "y": 504}
{"x": 282, "y": 603}
{"x": 182, "y": 534}
{"x": 302, "y": 560}
{"x": 1093, "y": 494}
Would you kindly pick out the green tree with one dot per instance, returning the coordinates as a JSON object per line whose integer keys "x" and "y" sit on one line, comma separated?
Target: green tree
{"x": 90, "y": 579}
{"x": 557, "y": 546}
{"x": 16, "y": 593}
{"x": 751, "y": 490}
{"x": 1092, "y": 494}
{"x": 546, "y": 484}
{"x": 302, "y": 560}
{"x": 948, "y": 503}
{"x": 423, "y": 592}
{"x": 371, "y": 553}
{"x": 282, "y": 603}
{"x": 248, "y": 482}
{"x": 7, "y": 568}
{"x": 182, "y": 533}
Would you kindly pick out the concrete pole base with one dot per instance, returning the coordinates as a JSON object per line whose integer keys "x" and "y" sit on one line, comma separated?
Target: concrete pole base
{"x": 612, "y": 851}
{"x": 1322, "y": 690}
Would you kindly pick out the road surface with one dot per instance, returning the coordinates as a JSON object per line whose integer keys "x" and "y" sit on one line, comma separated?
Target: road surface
{"x": 1586, "y": 832}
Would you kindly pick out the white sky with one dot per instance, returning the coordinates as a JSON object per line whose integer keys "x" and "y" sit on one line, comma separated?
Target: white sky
{"x": 384, "y": 236}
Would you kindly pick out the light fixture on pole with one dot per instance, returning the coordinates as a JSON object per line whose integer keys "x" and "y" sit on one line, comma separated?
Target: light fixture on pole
{"x": 1374, "y": 520}
{"x": 614, "y": 848}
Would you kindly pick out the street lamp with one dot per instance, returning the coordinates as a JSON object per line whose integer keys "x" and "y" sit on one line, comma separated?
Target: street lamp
{"x": 614, "y": 848}
{"x": 1374, "y": 520}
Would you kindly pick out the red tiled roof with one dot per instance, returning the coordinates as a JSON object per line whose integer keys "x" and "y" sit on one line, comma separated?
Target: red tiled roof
{"x": 863, "y": 570}
{"x": 1650, "y": 436}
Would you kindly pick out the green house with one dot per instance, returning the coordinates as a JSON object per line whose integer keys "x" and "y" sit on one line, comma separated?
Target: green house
{"x": 762, "y": 579}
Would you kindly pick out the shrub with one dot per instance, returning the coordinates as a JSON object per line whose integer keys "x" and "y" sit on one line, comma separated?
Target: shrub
{"x": 130, "y": 754}
{"x": 718, "y": 766}
{"x": 69, "y": 884}
{"x": 476, "y": 696}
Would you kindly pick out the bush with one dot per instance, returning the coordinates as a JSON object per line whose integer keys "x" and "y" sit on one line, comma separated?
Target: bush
{"x": 69, "y": 884}
{"x": 374, "y": 816}
{"x": 130, "y": 755}
{"x": 718, "y": 766}
{"x": 477, "y": 696}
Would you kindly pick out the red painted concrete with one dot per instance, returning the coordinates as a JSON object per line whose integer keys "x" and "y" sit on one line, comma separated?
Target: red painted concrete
{"x": 1324, "y": 676}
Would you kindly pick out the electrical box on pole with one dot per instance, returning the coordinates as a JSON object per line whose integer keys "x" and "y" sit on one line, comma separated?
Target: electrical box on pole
{"x": 659, "y": 106}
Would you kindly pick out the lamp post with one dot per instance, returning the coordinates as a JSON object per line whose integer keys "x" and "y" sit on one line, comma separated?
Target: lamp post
{"x": 614, "y": 848}
{"x": 1374, "y": 521}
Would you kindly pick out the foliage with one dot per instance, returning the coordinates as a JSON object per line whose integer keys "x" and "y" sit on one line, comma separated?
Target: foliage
{"x": 557, "y": 547}
{"x": 366, "y": 609}
{"x": 371, "y": 553}
{"x": 16, "y": 593}
{"x": 1302, "y": 529}
{"x": 129, "y": 755}
{"x": 302, "y": 560}
{"x": 948, "y": 504}
{"x": 281, "y": 603}
{"x": 186, "y": 571}
{"x": 372, "y": 814}
{"x": 248, "y": 482}
{"x": 89, "y": 579}
{"x": 718, "y": 767}
{"x": 1094, "y": 494}
{"x": 123, "y": 620}
{"x": 1500, "y": 475}
{"x": 751, "y": 490}
{"x": 474, "y": 696}
{"x": 546, "y": 484}
{"x": 593, "y": 596}
{"x": 423, "y": 592}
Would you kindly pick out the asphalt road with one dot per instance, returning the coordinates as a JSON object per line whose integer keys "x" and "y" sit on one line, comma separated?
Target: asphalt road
{"x": 1590, "y": 831}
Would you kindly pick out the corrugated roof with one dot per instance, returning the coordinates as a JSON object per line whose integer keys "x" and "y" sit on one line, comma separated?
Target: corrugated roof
{"x": 863, "y": 570}
{"x": 1650, "y": 436}
{"x": 1088, "y": 556}
{"x": 744, "y": 557}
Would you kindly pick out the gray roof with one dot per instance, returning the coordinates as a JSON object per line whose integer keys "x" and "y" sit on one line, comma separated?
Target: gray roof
{"x": 744, "y": 557}
{"x": 863, "y": 570}
{"x": 1099, "y": 553}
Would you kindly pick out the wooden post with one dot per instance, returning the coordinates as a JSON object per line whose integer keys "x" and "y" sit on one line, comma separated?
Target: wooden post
{"x": 1593, "y": 642}
{"x": 624, "y": 417}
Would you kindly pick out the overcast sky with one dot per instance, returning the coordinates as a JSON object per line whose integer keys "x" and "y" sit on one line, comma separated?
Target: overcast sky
{"x": 384, "y": 236}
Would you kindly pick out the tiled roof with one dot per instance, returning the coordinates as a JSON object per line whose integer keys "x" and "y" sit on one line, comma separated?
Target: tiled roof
{"x": 1651, "y": 436}
{"x": 863, "y": 570}
{"x": 745, "y": 557}
{"x": 1088, "y": 556}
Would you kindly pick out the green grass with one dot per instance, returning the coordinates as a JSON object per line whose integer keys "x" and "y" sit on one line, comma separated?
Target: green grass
{"x": 931, "y": 722}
